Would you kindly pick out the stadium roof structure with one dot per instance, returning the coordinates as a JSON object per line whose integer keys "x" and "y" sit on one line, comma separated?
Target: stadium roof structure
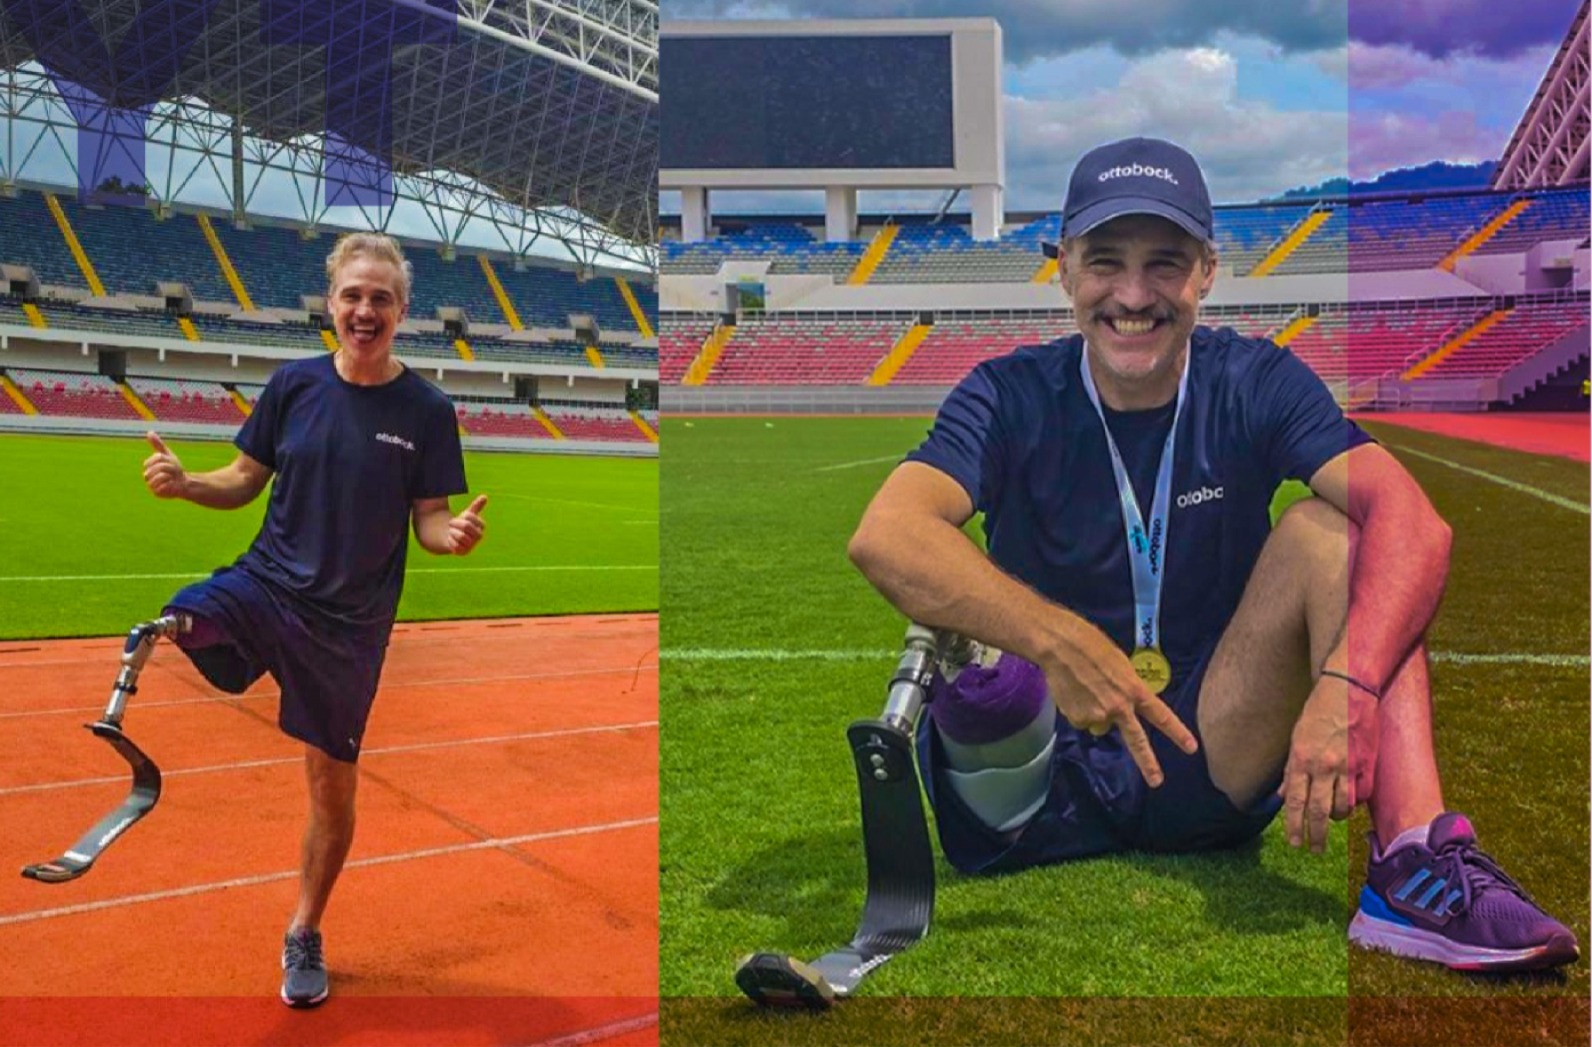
{"x": 536, "y": 114}
{"x": 1550, "y": 144}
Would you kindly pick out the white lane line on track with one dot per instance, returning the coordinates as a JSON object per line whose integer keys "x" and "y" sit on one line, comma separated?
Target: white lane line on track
{"x": 414, "y": 570}
{"x": 380, "y": 750}
{"x": 1514, "y": 485}
{"x": 406, "y": 637}
{"x": 383, "y": 859}
{"x": 854, "y": 465}
{"x": 752, "y": 654}
{"x": 600, "y": 1033}
{"x": 79, "y": 709}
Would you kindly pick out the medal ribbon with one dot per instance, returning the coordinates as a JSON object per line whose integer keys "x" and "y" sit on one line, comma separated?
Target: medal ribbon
{"x": 1146, "y": 546}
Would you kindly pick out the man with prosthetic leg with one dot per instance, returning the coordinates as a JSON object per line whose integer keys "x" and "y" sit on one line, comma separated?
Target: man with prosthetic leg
{"x": 358, "y": 451}
{"x": 1164, "y": 670}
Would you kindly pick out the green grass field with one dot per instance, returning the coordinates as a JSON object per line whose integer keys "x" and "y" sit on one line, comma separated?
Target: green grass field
{"x": 772, "y": 644}
{"x": 85, "y": 550}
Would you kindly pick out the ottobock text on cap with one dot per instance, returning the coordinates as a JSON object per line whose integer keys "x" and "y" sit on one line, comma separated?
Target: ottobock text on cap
{"x": 1136, "y": 176}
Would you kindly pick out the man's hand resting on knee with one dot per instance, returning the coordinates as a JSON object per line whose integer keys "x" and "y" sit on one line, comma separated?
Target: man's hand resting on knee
{"x": 1332, "y": 761}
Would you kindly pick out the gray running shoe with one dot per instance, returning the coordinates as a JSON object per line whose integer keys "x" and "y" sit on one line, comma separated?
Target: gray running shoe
{"x": 303, "y": 970}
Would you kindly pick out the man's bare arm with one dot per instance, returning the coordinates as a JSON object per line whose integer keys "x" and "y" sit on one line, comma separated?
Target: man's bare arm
{"x": 441, "y": 533}
{"x": 232, "y": 486}
{"x": 1399, "y": 568}
{"x": 911, "y": 548}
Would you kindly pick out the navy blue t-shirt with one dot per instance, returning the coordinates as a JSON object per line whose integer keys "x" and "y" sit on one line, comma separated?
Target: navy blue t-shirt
{"x": 1021, "y": 437}
{"x": 349, "y": 462}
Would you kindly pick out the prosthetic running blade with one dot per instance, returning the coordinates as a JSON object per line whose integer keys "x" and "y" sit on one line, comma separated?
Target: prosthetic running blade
{"x": 895, "y": 838}
{"x": 80, "y": 857}
{"x": 145, "y": 792}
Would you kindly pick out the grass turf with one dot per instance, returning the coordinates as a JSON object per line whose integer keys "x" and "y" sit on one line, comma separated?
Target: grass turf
{"x": 760, "y": 847}
{"x": 566, "y": 535}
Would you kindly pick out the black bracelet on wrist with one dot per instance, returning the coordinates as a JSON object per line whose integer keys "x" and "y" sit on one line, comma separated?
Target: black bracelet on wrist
{"x": 1373, "y": 692}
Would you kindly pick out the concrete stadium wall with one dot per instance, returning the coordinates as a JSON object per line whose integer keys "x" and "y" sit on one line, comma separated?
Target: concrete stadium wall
{"x": 703, "y": 294}
{"x": 1510, "y": 273}
{"x": 148, "y": 362}
{"x": 39, "y": 424}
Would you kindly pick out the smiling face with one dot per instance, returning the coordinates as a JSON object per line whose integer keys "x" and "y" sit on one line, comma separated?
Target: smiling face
{"x": 367, "y": 306}
{"x": 1136, "y": 284}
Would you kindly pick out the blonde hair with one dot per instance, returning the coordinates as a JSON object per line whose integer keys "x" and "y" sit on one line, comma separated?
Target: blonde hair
{"x": 376, "y": 245}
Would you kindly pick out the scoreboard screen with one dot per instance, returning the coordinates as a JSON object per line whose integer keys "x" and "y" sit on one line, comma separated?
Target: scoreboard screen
{"x": 806, "y": 102}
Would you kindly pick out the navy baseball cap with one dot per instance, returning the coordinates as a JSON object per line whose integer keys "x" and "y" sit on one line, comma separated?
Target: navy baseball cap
{"x": 1136, "y": 176}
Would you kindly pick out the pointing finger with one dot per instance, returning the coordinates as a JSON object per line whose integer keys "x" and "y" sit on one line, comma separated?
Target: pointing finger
{"x": 478, "y": 505}
{"x": 1160, "y": 716}
{"x": 1138, "y": 744}
{"x": 156, "y": 442}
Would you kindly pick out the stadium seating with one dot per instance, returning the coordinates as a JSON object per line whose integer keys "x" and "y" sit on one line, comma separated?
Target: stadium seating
{"x": 1245, "y": 235}
{"x": 1559, "y": 214}
{"x": 28, "y": 236}
{"x": 791, "y": 249}
{"x": 679, "y": 341}
{"x": 1382, "y": 338}
{"x": 72, "y": 394}
{"x": 954, "y": 347}
{"x": 1326, "y": 250}
{"x": 186, "y": 400}
{"x": 1527, "y": 328}
{"x": 805, "y": 351}
{"x": 145, "y": 323}
{"x": 500, "y": 418}
{"x": 1387, "y": 235}
{"x": 590, "y": 422}
{"x": 131, "y": 250}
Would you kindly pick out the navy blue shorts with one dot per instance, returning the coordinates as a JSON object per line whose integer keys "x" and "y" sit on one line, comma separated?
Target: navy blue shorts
{"x": 328, "y": 677}
{"x": 1098, "y": 801}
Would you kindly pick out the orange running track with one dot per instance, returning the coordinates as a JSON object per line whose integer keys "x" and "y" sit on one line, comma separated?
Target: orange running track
{"x": 502, "y": 888}
{"x": 1563, "y": 434}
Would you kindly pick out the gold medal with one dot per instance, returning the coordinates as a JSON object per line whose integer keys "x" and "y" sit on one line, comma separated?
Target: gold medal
{"x": 1152, "y": 667}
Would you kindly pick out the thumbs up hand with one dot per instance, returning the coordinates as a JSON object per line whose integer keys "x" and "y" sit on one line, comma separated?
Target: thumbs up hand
{"x": 466, "y": 530}
{"x": 163, "y": 472}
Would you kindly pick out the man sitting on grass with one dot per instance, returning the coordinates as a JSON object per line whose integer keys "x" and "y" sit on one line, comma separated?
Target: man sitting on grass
{"x": 1133, "y": 579}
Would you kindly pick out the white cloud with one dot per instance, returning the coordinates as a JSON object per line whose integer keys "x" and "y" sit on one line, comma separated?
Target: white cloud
{"x": 1382, "y": 141}
{"x": 1333, "y": 63}
{"x": 1378, "y": 66}
{"x": 1248, "y": 148}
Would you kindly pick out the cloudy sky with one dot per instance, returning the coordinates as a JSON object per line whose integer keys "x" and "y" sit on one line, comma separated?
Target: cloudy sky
{"x": 1270, "y": 94}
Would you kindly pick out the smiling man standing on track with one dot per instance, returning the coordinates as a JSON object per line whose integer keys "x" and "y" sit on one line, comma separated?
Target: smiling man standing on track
{"x": 1133, "y": 578}
{"x": 361, "y": 448}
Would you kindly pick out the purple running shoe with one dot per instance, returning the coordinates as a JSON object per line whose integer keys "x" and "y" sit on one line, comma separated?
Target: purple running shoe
{"x": 1447, "y": 901}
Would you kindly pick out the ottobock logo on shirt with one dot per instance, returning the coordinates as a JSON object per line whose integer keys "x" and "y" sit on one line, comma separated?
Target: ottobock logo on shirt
{"x": 389, "y": 438}
{"x": 1199, "y": 497}
{"x": 1139, "y": 171}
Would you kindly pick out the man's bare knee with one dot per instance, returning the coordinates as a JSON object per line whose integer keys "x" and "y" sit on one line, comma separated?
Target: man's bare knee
{"x": 332, "y": 782}
{"x": 1317, "y": 525}
{"x": 1243, "y": 787}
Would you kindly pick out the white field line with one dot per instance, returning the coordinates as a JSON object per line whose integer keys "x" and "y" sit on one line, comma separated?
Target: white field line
{"x": 1504, "y": 481}
{"x": 601, "y": 1032}
{"x": 619, "y": 671}
{"x": 861, "y": 462}
{"x": 414, "y": 570}
{"x": 277, "y": 761}
{"x": 384, "y": 859}
{"x": 750, "y": 654}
